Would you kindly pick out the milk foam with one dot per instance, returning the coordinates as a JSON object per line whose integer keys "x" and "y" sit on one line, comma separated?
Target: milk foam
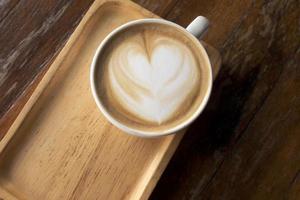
{"x": 152, "y": 78}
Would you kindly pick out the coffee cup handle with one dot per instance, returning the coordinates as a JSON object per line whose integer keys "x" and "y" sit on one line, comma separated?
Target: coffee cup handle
{"x": 198, "y": 27}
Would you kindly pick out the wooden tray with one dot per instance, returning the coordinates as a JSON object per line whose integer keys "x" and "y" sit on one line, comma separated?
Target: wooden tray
{"x": 61, "y": 147}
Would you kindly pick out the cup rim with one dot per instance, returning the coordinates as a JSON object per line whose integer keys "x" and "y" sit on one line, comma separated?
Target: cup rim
{"x": 138, "y": 132}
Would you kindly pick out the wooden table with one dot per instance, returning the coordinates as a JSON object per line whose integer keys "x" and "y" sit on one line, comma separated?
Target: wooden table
{"x": 246, "y": 144}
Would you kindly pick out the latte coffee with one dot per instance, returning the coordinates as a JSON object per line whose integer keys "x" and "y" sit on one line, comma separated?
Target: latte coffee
{"x": 151, "y": 77}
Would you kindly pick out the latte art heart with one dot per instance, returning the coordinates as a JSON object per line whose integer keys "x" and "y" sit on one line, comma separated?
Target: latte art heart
{"x": 152, "y": 79}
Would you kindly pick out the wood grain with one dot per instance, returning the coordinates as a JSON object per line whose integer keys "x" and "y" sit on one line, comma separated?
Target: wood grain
{"x": 183, "y": 12}
{"x": 265, "y": 162}
{"x": 32, "y": 33}
{"x": 259, "y": 40}
{"x": 61, "y": 146}
{"x": 211, "y": 162}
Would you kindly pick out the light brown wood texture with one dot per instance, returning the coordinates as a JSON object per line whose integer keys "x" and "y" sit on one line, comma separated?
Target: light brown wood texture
{"x": 32, "y": 33}
{"x": 62, "y": 147}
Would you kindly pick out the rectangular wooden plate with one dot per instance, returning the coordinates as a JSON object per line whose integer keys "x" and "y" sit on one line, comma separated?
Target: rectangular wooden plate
{"x": 62, "y": 147}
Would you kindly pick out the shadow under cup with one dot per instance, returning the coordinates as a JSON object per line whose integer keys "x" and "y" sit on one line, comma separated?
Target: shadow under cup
{"x": 151, "y": 77}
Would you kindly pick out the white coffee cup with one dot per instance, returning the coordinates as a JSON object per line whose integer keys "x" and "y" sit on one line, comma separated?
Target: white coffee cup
{"x": 197, "y": 29}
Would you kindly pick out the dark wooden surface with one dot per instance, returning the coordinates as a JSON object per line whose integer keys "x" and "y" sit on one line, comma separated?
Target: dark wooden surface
{"x": 246, "y": 144}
